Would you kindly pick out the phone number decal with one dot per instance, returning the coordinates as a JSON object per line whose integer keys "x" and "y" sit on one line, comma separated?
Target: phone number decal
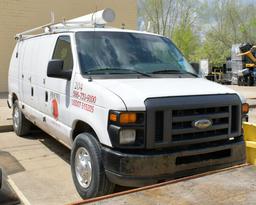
{"x": 81, "y": 99}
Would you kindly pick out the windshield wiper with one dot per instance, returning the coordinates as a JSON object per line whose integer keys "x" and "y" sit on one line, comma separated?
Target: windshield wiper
{"x": 187, "y": 72}
{"x": 116, "y": 69}
{"x": 166, "y": 71}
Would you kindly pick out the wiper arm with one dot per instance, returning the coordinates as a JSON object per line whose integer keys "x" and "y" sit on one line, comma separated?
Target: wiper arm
{"x": 187, "y": 72}
{"x": 116, "y": 69}
{"x": 141, "y": 73}
{"x": 166, "y": 71}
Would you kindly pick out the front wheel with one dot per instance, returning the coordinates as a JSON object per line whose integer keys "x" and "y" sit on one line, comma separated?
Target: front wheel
{"x": 87, "y": 168}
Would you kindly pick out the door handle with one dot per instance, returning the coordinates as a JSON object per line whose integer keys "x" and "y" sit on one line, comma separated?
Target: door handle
{"x": 46, "y": 96}
{"x": 32, "y": 91}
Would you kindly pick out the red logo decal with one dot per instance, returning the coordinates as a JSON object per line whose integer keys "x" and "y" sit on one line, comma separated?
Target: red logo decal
{"x": 55, "y": 110}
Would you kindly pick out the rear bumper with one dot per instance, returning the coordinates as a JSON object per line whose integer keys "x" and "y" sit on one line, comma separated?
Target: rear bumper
{"x": 137, "y": 170}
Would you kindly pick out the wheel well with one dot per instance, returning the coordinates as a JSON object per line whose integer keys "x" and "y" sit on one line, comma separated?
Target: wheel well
{"x": 14, "y": 98}
{"x": 81, "y": 127}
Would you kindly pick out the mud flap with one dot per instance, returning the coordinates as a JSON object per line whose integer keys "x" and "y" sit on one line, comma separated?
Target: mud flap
{"x": 7, "y": 195}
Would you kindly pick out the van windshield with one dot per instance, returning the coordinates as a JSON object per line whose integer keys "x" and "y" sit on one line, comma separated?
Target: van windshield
{"x": 123, "y": 52}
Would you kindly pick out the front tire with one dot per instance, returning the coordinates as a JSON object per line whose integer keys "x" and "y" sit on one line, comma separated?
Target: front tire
{"x": 21, "y": 125}
{"x": 87, "y": 168}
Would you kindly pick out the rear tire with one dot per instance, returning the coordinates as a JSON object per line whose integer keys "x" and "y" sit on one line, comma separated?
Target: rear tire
{"x": 21, "y": 125}
{"x": 87, "y": 168}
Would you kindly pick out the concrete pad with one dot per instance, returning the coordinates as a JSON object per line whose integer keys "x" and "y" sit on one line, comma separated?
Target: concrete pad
{"x": 234, "y": 186}
{"x": 46, "y": 175}
{"x": 7, "y": 194}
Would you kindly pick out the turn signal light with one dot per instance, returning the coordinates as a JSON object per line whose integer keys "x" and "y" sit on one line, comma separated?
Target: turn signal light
{"x": 123, "y": 117}
{"x": 126, "y": 118}
{"x": 245, "y": 108}
{"x": 113, "y": 117}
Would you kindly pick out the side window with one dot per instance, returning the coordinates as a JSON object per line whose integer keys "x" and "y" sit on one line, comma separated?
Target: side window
{"x": 63, "y": 51}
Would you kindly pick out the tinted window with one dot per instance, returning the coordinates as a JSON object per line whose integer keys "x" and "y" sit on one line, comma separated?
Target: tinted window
{"x": 63, "y": 51}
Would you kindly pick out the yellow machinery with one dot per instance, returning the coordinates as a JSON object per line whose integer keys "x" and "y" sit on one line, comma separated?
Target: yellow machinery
{"x": 247, "y": 76}
{"x": 250, "y": 140}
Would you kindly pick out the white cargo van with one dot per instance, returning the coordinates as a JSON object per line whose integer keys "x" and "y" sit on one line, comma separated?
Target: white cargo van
{"x": 127, "y": 103}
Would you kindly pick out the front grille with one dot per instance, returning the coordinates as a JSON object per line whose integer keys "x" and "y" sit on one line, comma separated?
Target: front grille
{"x": 170, "y": 120}
{"x": 182, "y": 123}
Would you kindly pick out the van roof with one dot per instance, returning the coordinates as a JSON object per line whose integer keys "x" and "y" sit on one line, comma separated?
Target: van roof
{"x": 73, "y": 30}
{"x": 108, "y": 29}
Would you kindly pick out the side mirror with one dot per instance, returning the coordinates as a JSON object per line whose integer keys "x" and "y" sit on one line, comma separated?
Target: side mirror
{"x": 55, "y": 70}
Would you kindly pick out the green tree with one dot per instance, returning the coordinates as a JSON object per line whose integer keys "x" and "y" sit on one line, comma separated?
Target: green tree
{"x": 186, "y": 40}
{"x": 212, "y": 50}
{"x": 176, "y": 19}
{"x": 231, "y": 22}
{"x": 202, "y": 29}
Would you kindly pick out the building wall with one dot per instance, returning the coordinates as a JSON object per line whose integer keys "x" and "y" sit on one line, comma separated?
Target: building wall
{"x": 20, "y": 15}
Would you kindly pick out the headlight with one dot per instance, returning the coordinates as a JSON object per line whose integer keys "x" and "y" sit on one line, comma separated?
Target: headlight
{"x": 126, "y": 129}
{"x": 127, "y": 136}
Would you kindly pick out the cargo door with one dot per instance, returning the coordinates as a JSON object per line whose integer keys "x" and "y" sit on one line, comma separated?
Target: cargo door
{"x": 44, "y": 53}
{"x": 27, "y": 71}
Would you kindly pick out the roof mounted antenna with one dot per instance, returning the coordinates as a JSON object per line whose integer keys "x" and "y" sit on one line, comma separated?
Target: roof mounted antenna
{"x": 52, "y": 17}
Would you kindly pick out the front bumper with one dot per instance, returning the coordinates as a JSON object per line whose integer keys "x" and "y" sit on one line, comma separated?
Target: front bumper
{"x": 137, "y": 170}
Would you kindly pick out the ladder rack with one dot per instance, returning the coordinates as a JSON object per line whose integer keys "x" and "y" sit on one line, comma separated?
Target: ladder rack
{"x": 96, "y": 19}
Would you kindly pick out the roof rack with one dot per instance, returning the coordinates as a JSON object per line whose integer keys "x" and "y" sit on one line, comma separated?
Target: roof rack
{"x": 96, "y": 19}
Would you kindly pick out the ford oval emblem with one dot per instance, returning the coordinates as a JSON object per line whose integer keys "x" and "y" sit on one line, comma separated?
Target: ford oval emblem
{"x": 202, "y": 124}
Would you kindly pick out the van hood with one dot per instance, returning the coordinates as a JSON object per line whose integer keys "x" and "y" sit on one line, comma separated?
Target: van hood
{"x": 134, "y": 92}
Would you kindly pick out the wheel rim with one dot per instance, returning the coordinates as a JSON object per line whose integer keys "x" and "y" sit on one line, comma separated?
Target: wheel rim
{"x": 83, "y": 167}
{"x": 16, "y": 115}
